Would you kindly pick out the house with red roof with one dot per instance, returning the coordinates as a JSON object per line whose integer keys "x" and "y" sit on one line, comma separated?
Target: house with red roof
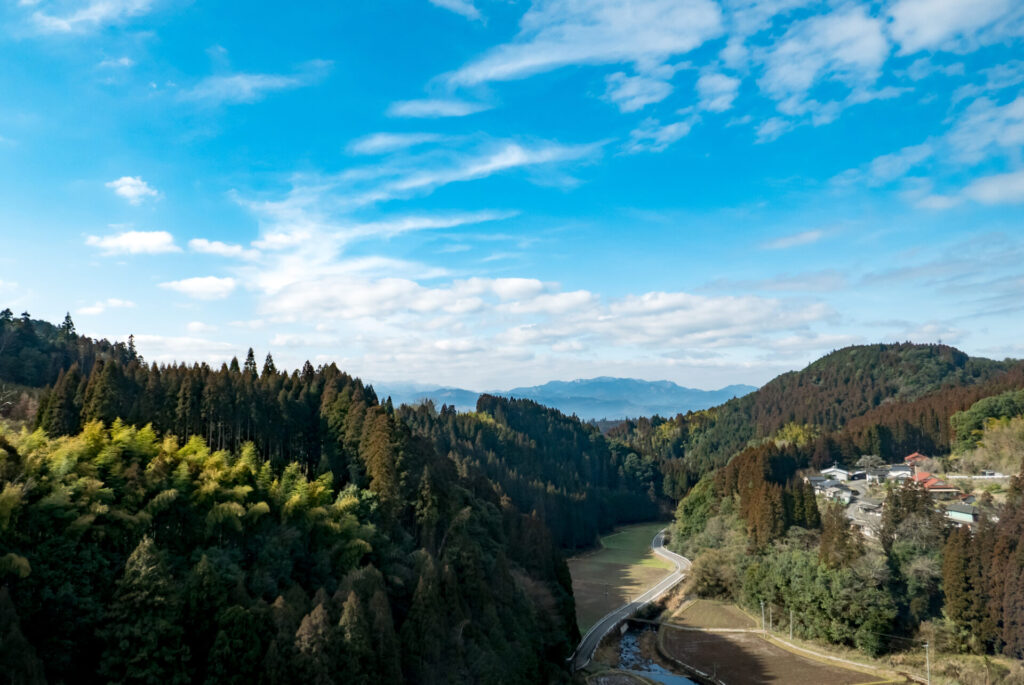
{"x": 936, "y": 487}
{"x": 915, "y": 458}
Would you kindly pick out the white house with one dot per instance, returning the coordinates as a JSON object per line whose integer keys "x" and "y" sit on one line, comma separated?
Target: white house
{"x": 836, "y": 472}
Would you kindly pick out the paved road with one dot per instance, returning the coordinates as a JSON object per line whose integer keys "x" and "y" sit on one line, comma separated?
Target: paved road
{"x": 585, "y": 651}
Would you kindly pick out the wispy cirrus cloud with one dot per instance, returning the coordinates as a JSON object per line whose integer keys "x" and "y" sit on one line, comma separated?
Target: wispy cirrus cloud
{"x": 247, "y": 88}
{"x": 381, "y": 143}
{"x": 653, "y": 136}
{"x": 79, "y": 17}
{"x": 435, "y": 108}
{"x": 560, "y": 33}
{"x": 464, "y": 7}
{"x": 794, "y": 240}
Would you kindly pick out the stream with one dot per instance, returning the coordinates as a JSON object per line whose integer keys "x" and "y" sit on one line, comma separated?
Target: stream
{"x": 632, "y": 660}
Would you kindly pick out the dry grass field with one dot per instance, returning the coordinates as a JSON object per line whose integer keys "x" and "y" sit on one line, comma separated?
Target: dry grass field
{"x": 709, "y": 613}
{"x": 621, "y": 569}
{"x": 746, "y": 658}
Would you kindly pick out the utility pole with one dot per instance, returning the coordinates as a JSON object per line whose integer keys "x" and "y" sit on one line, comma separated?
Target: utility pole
{"x": 762, "y": 616}
{"x": 769, "y": 617}
{"x": 791, "y": 624}
{"x": 928, "y": 662}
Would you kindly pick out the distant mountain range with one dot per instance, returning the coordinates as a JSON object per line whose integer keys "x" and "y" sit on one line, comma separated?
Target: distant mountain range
{"x": 590, "y": 398}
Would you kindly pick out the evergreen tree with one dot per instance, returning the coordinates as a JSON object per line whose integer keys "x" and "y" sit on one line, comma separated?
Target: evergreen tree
{"x": 145, "y": 632}
{"x": 250, "y": 363}
{"x": 359, "y": 660}
{"x": 423, "y": 630}
{"x": 18, "y": 660}
{"x": 67, "y": 328}
{"x": 103, "y": 394}
{"x": 316, "y": 643}
{"x": 63, "y": 410}
{"x": 838, "y": 545}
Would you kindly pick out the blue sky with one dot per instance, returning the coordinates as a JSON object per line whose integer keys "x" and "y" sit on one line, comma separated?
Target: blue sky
{"x": 490, "y": 193}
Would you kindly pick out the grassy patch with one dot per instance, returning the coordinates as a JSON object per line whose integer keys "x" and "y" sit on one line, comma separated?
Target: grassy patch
{"x": 709, "y": 613}
{"x": 623, "y": 568}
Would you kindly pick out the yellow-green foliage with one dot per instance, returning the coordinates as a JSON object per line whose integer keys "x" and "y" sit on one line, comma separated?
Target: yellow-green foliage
{"x": 1000, "y": 447}
{"x": 123, "y": 480}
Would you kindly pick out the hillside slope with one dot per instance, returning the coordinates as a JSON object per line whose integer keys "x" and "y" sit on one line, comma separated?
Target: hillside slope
{"x": 829, "y": 394}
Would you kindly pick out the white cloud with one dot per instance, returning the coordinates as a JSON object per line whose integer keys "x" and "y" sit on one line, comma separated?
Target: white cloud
{"x": 888, "y": 168}
{"x": 503, "y": 156}
{"x": 795, "y": 240}
{"x": 134, "y": 242}
{"x": 433, "y": 108}
{"x": 199, "y": 327}
{"x": 169, "y": 349}
{"x": 118, "y": 63}
{"x": 631, "y": 93}
{"x": 846, "y": 46}
{"x": 245, "y": 88}
{"x": 104, "y": 305}
{"x": 717, "y": 91}
{"x": 998, "y": 189}
{"x": 202, "y": 287}
{"x": 936, "y": 202}
{"x": 893, "y": 166}
{"x": 463, "y": 7}
{"x": 216, "y": 247}
{"x": 76, "y": 17}
{"x": 653, "y": 136}
{"x": 952, "y": 24}
{"x": 997, "y": 78}
{"x": 770, "y": 129}
{"x": 558, "y": 33}
{"x": 133, "y": 189}
{"x": 391, "y": 227}
{"x": 380, "y": 143}
{"x": 986, "y": 129}
{"x": 746, "y": 18}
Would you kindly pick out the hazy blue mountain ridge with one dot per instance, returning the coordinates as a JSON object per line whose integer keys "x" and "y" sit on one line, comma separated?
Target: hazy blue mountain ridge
{"x": 591, "y": 398}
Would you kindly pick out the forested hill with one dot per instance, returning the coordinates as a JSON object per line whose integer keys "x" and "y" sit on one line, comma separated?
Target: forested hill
{"x": 183, "y": 523}
{"x": 758, "y": 537}
{"x": 33, "y": 352}
{"x": 552, "y": 466}
{"x": 879, "y": 382}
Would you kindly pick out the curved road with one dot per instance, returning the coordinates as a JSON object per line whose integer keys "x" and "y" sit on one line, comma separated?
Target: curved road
{"x": 585, "y": 651}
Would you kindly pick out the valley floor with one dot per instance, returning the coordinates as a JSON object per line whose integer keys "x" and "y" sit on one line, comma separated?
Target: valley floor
{"x": 620, "y": 570}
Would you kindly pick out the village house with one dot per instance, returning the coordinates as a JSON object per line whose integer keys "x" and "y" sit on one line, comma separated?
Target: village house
{"x": 900, "y": 472}
{"x": 836, "y": 472}
{"x": 937, "y": 488}
{"x": 815, "y": 481}
{"x": 915, "y": 459}
{"x": 961, "y": 514}
{"x": 877, "y": 475}
{"x": 839, "y": 493}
